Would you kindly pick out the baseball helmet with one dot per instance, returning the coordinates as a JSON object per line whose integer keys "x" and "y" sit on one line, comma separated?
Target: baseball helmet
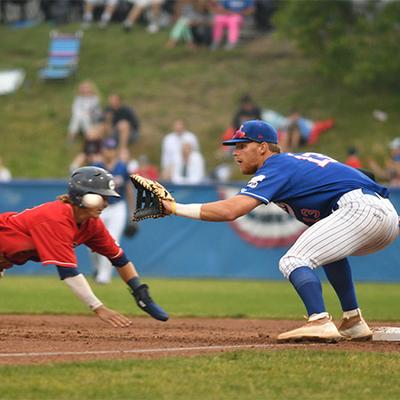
{"x": 86, "y": 180}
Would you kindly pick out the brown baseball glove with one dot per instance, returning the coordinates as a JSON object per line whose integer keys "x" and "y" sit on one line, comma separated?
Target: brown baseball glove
{"x": 149, "y": 198}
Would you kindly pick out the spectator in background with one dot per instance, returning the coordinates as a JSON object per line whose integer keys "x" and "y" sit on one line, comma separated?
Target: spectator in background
{"x": 115, "y": 216}
{"x": 276, "y": 119}
{"x": 89, "y": 6}
{"x": 143, "y": 167}
{"x": 391, "y": 171}
{"x": 201, "y": 26}
{"x": 121, "y": 123}
{"x": 138, "y": 7}
{"x": 229, "y": 14}
{"x": 352, "y": 158}
{"x": 171, "y": 149}
{"x": 91, "y": 152}
{"x": 5, "y": 174}
{"x": 302, "y": 131}
{"x": 86, "y": 110}
{"x": 190, "y": 166}
{"x": 248, "y": 110}
{"x": 222, "y": 171}
{"x": 189, "y": 17}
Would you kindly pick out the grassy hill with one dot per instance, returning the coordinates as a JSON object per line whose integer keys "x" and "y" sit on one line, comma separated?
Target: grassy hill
{"x": 162, "y": 84}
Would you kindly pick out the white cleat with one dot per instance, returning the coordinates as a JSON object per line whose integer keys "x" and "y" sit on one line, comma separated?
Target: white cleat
{"x": 315, "y": 330}
{"x": 355, "y": 328}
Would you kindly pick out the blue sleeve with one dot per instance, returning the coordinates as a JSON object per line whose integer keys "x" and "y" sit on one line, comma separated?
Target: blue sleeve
{"x": 120, "y": 261}
{"x": 67, "y": 272}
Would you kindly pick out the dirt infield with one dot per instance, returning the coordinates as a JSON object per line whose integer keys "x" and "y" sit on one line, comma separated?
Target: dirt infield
{"x": 34, "y": 339}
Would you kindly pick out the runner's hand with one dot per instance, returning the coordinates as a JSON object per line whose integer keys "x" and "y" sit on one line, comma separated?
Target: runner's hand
{"x": 112, "y": 317}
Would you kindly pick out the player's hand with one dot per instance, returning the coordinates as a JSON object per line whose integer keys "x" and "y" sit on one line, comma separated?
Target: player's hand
{"x": 167, "y": 206}
{"x": 112, "y": 317}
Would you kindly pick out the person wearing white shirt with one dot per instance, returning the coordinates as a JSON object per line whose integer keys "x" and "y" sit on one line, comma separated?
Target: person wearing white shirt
{"x": 171, "y": 151}
{"x": 190, "y": 168}
{"x": 86, "y": 110}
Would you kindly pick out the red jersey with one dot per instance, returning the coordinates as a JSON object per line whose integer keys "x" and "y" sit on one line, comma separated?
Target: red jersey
{"x": 49, "y": 233}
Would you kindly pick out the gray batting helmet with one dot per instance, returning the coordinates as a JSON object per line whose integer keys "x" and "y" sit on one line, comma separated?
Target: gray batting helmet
{"x": 90, "y": 180}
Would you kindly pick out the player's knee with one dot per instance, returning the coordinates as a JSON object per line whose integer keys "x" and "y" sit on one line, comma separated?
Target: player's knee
{"x": 288, "y": 263}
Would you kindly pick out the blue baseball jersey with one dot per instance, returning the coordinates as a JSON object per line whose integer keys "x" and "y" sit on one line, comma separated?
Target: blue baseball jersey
{"x": 307, "y": 185}
{"x": 121, "y": 178}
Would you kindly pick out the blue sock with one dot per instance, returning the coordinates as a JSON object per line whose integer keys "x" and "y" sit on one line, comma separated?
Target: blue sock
{"x": 339, "y": 276}
{"x": 308, "y": 287}
{"x": 134, "y": 283}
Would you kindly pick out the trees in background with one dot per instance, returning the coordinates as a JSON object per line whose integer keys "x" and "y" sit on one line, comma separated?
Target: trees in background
{"x": 355, "y": 42}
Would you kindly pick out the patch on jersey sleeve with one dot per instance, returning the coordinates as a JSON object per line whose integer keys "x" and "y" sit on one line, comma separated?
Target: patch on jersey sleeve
{"x": 255, "y": 180}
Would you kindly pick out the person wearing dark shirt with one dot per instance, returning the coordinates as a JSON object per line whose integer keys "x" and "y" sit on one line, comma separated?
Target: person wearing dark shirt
{"x": 122, "y": 123}
{"x": 248, "y": 110}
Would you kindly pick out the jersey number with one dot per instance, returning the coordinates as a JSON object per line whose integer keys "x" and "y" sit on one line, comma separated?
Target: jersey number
{"x": 316, "y": 158}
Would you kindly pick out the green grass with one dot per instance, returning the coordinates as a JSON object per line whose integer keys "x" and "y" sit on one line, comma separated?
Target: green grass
{"x": 198, "y": 298}
{"x": 287, "y": 374}
{"x": 165, "y": 84}
{"x": 298, "y": 374}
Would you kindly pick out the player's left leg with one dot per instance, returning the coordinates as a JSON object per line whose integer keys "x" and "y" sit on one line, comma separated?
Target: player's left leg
{"x": 353, "y": 325}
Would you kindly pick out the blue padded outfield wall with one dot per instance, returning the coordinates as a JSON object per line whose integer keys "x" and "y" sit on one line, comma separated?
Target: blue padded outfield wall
{"x": 250, "y": 248}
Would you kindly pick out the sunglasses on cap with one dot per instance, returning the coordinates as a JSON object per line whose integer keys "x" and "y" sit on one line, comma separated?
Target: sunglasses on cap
{"x": 242, "y": 135}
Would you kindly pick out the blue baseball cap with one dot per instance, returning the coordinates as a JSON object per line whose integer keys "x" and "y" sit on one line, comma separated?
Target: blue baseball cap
{"x": 253, "y": 131}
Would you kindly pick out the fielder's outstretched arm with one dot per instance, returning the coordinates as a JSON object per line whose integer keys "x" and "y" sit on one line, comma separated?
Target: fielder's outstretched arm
{"x": 223, "y": 210}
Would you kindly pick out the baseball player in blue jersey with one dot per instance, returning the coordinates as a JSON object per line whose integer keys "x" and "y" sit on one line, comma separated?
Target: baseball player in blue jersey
{"x": 347, "y": 214}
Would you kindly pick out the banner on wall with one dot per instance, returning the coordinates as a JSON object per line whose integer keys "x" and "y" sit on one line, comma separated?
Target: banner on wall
{"x": 266, "y": 226}
{"x": 249, "y": 248}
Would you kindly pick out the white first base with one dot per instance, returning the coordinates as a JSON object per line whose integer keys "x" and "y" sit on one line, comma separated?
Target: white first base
{"x": 386, "y": 333}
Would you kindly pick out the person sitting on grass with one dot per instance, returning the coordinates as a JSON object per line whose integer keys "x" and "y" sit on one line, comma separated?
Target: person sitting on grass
{"x": 302, "y": 131}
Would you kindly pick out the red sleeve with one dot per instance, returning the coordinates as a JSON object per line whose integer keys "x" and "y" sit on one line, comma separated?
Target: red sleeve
{"x": 102, "y": 242}
{"x": 54, "y": 243}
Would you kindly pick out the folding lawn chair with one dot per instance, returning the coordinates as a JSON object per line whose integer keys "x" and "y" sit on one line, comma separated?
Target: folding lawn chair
{"x": 63, "y": 56}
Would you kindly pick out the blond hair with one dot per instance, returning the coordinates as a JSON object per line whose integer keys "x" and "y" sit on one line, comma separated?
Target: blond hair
{"x": 93, "y": 87}
{"x": 274, "y": 148}
{"x": 65, "y": 199}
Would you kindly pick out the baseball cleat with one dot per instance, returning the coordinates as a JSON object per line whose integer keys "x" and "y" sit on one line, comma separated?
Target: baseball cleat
{"x": 147, "y": 304}
{"x": 355, "y": 328}
{"x": 314, "y": 330}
